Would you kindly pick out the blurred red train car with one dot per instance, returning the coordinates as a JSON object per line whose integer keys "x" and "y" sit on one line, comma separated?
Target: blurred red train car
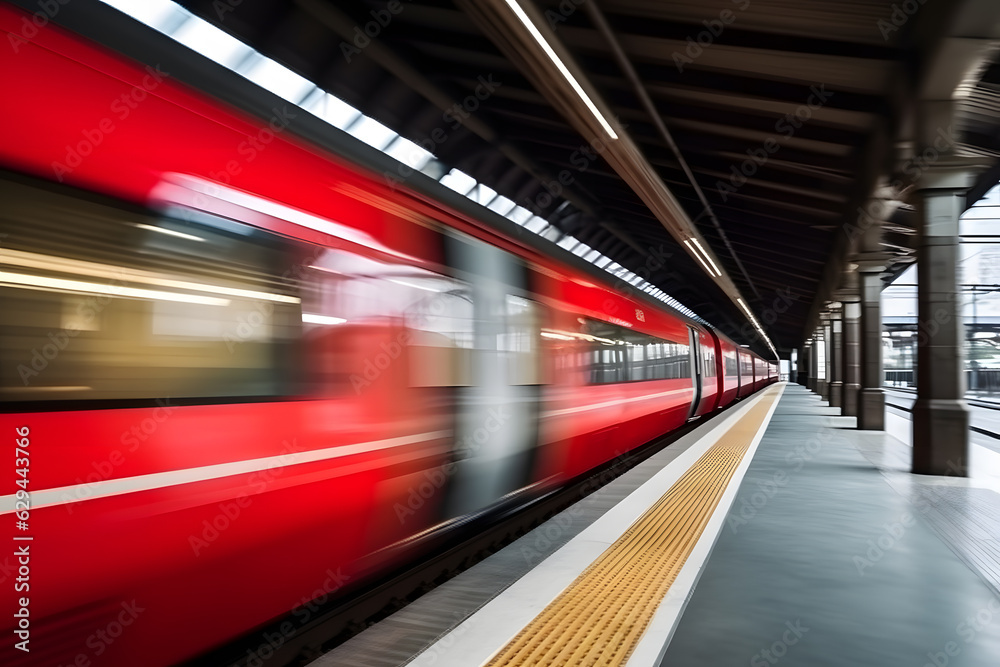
{"x": 236, "y": 394}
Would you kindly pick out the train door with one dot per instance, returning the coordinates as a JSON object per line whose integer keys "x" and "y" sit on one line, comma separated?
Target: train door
{"x": 496, "y": 411}
{"x": 696, "y": 366}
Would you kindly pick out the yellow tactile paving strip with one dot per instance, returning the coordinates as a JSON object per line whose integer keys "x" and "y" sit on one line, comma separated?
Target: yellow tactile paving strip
{"x": 600, "y": 617}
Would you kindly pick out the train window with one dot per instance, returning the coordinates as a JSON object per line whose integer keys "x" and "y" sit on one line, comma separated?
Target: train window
{"x": 520, "y": 341}
{"x": 731, "y": 367}
{"x": 104, "y": 302}
{"x": 708, "y": 357}
{"x": 365, "y": 316}
{"x": 618, "y": 354}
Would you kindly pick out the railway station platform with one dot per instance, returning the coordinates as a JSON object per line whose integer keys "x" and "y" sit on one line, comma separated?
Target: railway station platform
{"x": 773, "y": 533}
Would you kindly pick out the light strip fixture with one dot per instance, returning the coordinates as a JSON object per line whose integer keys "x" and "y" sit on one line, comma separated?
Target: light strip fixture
{"x": 169, "y": 18}
{"x": 533, "y": 31}
{"x": 753, "y": 320}
{"x": 708, "y": 257}
{"x": 698, "y": 256}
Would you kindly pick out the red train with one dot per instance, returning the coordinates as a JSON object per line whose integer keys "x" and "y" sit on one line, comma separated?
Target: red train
{"x": 237, "y": 383}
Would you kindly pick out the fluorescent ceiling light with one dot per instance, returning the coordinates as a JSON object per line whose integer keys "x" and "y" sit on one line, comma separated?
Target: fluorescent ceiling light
{"x": 96, "y": 270}
{"x": 169, "y": 232}
{"x": 533, "y": 31}
{"x": 313, "y": 318}
{"x": 698, "y": 256}
{"x": 23, "y": 280}
{"x": 427, "y": 288}
{"x": 707, "y": 257}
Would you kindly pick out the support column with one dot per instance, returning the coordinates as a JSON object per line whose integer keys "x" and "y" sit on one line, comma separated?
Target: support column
{"x": 814, "y": 358}
{"x": 836, "y": 357}
{"x": 871, "y": 400}
{"x": 940, "y": 414}
{"x": 810, "y": 369}
{"x": 852, "y": 351}
{"x": 814, "y": 363}
{"x": 822, "y": 360}
{"x": 793, "y": 365}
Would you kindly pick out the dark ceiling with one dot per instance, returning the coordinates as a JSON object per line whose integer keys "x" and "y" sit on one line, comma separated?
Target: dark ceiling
{"x": 735, "y": 94}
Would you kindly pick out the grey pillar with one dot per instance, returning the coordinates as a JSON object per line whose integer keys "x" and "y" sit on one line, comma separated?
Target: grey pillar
{"x": 814, "y": 363}
{"x": 822, "y": 360}
{"x": 852, "y": 351}
{"x": 811, "y": 364}
{"x": 827, "y": 359}
{"x": 940, "y": 414}
{"x": 836, "y": 361}
{"x": 871, "y": 400}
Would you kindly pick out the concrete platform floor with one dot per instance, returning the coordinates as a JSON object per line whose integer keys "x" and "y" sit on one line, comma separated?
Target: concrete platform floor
{"x": 834, "y": 555}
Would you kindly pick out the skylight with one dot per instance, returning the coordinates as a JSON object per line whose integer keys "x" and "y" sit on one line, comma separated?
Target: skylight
{"x": 331, "y": 109}
{"x": 409, "y": 153}
{"x": 372, "y": 132}
{"x": 278, "y": 79}
{"x": 215, "y": 44}
{"x": 458, "y": 181}
{"x": 204, "y": 38}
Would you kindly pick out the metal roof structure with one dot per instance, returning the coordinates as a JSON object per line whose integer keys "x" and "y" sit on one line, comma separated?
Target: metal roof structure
{"x": 769, "y": 122}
